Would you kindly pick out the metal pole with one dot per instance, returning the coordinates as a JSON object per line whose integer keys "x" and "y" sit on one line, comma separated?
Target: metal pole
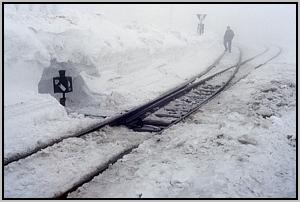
{"x": 63, "y": 100}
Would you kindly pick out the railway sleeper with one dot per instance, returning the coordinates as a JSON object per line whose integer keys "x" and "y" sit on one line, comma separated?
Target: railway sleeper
{"x": 177, "y": 103}
{"x": 193, "y": 97}
{"x": 207, "y": 93}
{"x": 163, "y": 111}
{"x": 205, "y": 90}
{"x": 158, "y": 122}
{"x": 201, "y": 94}
{"x": 188, "y": 105}
{"x": 186, "y": 100}
{"x": 194, "y": 93}
{"x": 160, "y": 115}
{"x": 147, "y": 128}
{"x": 206, "y": 85}
{"x": 178, "y": 109}
{"x": 177, "y": 112}
{"x": 200, "y": 100}
{"x": 169, "y": 111}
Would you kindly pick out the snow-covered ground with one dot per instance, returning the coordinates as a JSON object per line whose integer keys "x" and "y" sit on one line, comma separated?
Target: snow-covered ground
{"x": 72, "y": 157}
{"x": 242, "y": 144}
{"x": 213, "y": 159}
{"x": 56, "y": 169}
{"x": 114, "y": 68}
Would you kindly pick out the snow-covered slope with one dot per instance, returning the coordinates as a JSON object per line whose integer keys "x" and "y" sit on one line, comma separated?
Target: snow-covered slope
{"x": 87, "y": 43}
{"x": 242, "y": 144}
{"x": 114, "y": 67}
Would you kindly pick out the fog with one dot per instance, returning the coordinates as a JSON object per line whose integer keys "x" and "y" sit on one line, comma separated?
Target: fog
{"x": 262, "y": 23}
{"x": 252, "y": 23}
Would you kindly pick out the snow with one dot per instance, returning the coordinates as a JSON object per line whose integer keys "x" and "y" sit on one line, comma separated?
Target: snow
{"x": 56, "y": 169}
{"x": 227, "y": 151}
{"x": 241, "y": 144}
{"x": 45, "y": 121}
{"x": 230, "y": 150}
{"x": 88, "y": 153}
{"x": 114, "y": 68}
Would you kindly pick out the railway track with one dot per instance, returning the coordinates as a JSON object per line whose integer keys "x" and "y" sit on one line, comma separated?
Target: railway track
{"x": 168, "y": 109}
{"x": 112, "y": 120}
{"x": 247, "y": 69}
{"x": 172, "y": 109}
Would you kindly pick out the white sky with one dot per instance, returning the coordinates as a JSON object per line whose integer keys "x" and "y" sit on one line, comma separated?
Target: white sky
{"x": 253, "y": 22}
{"x": 263, "y": 23}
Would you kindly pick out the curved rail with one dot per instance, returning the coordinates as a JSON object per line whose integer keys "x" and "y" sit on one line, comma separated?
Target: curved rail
{"x": 215, "y": 94}
{"x": 65, "y": 194}
{"x": 184, "y": 109}
{"x": 256, "y": 67}
{"x": 121, "y": 119}
{"x": 113, "y": 120}
{"x": 187, "y": 89}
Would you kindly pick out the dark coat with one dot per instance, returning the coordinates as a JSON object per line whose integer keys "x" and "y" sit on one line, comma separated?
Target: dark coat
{"x": 229, "y": 34}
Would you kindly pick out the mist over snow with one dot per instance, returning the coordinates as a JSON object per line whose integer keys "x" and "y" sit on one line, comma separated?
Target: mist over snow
{"x": 101, "y": 43}
{"x": 262, "y": 22}
{"x": 103, "y": 46}
{"x": 242, "y": 143}
{"x": 255, "y": 23}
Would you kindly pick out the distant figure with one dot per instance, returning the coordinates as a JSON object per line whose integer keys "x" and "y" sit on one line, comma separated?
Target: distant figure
{"x": 228, "y": 36}
{"x": 200, "y": 28}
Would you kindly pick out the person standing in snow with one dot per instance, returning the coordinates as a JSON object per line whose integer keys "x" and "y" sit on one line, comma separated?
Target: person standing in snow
{"x": 228, "y": 36}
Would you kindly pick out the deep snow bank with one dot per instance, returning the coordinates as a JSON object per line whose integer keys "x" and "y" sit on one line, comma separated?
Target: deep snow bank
{"x": 113, "y": 67}
{"x": 86, "y": 43}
